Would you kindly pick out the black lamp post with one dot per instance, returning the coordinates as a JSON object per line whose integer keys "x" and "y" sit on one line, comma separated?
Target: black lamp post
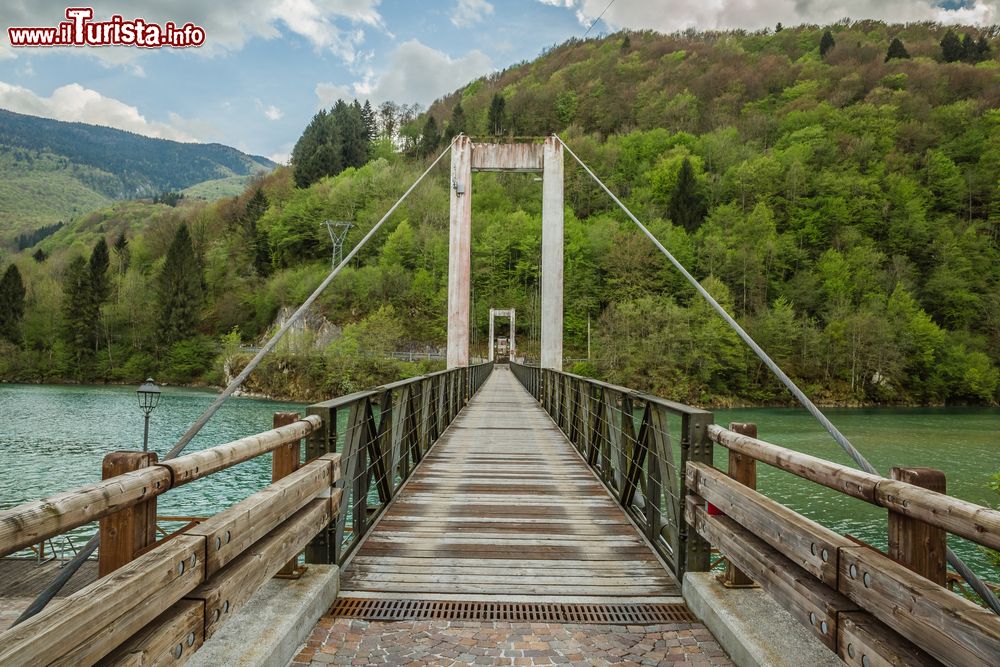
{"x": 149, "y": 396}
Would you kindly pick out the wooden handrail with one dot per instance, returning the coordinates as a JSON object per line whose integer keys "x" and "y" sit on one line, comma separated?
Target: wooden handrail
{"x": 973, "y": 522}
{"x": 220, "y": 563}
{"x": 37, "y": 520}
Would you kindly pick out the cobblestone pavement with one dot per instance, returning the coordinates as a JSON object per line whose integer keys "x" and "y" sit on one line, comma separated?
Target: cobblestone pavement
{"x": 340, "y": 641}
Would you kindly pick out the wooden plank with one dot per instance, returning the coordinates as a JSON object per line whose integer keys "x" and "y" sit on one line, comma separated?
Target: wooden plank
{"x": 949, "y": 627}
{"x": 84, "y": 627}
{"x": 127, "y": 532}
{"x": 811, "y": 602}
{"x": 231, "y": 532}
{"x": 32, "y": 522}
{"x": 230, "y": 588}
{"x": 742, "y": 469}
{"x": 169, "y": 640}
{"x": 284, "y": 461}
{"x": 503, "y": 505}
{"x": 808, "y": 544}
{"x": 854, "y": 483}
{"x": 918, "y": 545}
{"x": 864, "y": 642}
{"x": 200, "y": 464}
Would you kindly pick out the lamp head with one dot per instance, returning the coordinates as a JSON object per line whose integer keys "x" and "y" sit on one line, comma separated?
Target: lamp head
{"x": 149, "y": 395}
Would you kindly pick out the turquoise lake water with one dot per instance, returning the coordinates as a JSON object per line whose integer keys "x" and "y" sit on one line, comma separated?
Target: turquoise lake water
{"x": 52, "y": 438}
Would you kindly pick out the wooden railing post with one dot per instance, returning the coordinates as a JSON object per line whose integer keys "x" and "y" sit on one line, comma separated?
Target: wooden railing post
{"x": 742, "y": 469}
{"x": 124, "y": 534}
{"x": 913, "y": 543}
{"x": 284, "y": 461}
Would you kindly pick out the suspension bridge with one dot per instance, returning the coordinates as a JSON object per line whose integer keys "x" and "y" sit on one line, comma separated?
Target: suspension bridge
{"x": 501, "y": 514}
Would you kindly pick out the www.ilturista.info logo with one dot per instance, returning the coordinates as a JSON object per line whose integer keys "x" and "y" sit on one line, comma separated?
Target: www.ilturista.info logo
{"x": 80, "y": 30}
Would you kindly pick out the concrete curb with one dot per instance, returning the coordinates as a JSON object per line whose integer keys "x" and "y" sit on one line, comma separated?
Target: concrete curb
{"x": 751, "y": 627}
{"x": 276, "y": 621}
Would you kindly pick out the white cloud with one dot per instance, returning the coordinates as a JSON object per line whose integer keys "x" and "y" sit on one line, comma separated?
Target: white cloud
{"x": 470, "y": 12}
{"x": 270, "y": 111}
{"x": 281, "y": 157}
{"x": 415, "y": 73}
{"x": 330, "y": 25}
{"x": 723, "y": 14}
{"x": 75, "y": 103}
{"x": 329, "y": 93}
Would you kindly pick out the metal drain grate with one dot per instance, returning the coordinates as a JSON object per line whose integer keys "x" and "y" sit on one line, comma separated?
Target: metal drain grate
{"x": 518, "y": 612}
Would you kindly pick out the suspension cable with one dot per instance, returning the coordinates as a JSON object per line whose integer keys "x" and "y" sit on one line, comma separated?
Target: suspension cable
{"x": 71, "y": 567}
{"x": 984, "y": 592}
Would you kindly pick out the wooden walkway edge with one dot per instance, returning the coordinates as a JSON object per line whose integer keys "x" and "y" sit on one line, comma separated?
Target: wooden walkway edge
{"x": 503, "y": 508}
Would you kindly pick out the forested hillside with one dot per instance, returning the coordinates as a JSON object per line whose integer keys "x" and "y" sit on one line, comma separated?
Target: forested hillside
{"x": 51, "y": 171}
{"x": 843, "y": 201}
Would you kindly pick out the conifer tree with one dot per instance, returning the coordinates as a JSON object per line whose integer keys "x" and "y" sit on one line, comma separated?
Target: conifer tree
{"x": 353, "y": 134}
{"x": 951, "y": 47}
{"x": 896, "y": 50}
{"x": 317, "y": 152}
{"x": 495, "y": 119}
{"x": 100, "y": 289}
{"x": 76, "y": 309}
{"x": 983, "y": 50}
{"x": 826, "y": 43}
{"x": 12, "y": 294}
{"x": 122, "y": 253}
{"x": 429, "y": 138}
{"x": 456, "y": 125}
{"x": 100, "y": 286}
{"x": 968, "y": 48}
{"x": 368, "y": 115}
{"x": 687, "y": 204}
{"x": 180, "y": 290}
{"x": 258, "y": 242}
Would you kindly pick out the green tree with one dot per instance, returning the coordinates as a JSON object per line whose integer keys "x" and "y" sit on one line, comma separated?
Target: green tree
{"x": 100, "y": 284}
{"x": 983, "y": 50}
{"x": 951, "y": 47}
{"x": 687, "y": 203}
{"x": 457, "y": 124}
{"x": 317, "y": 153}
{"x": 826, "y": 43}
{"x": 371, "y": 126}
{"x": 496, "y": 120}
{"x": 179, "y": 290}
{"x": 100, "y": 288}
{"x": 122, "y": 254}
{"x": 77, "y": 320}
{"x": 896, "y": 50}
{"x": 968, "y": 48}
{"x": 256, "y": 239}
{"x": 12, "y": 294}
{"x": 429, "y": 137}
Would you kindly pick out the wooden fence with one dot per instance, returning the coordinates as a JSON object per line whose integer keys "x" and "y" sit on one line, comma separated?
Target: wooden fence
{"x": 156, "y": 602}
{"x": 868, "y": 607}
{"x": 625, "y": 436}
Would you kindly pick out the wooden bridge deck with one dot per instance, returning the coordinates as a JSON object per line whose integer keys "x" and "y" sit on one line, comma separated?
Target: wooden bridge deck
{"x": 504, "y": 508}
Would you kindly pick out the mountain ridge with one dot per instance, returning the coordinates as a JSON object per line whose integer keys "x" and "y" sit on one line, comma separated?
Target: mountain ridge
{"x": 54, "y": 170}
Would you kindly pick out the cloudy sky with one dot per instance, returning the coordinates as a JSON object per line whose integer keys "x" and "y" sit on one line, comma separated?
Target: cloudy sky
{"x": 268, "y": 65}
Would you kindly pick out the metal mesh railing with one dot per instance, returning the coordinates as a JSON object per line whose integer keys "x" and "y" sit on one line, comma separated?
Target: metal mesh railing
{"x": 383, "y": 433}
{"x": 638, "y": 445}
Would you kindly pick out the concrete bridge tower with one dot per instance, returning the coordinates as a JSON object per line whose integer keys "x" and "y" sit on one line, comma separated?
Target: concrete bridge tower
{"x": 467, "y": 157}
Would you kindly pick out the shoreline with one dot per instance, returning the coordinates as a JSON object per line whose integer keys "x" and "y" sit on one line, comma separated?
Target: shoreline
{"x": 733, "y": 404}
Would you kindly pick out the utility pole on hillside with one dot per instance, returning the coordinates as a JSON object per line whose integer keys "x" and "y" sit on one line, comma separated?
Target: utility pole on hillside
{"x": 338, "y": 233}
